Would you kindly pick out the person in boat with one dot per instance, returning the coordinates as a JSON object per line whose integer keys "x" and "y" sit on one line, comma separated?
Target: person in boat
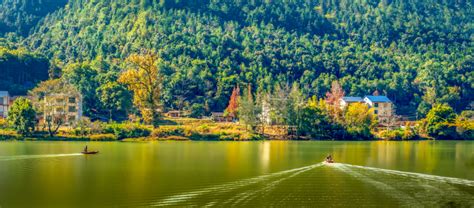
{"x": 85, "y": 149}
{"x": 329, "y": 158}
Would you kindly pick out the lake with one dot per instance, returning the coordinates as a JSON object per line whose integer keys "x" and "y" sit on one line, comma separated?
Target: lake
{"x": 242, "y": 174}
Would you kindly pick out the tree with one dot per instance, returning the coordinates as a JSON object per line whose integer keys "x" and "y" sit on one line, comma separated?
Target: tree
{"x": 333, "y": 98}
{"x": 114, "y": 97}
{"x": 232, "y": 108}
{"x": 144, "y": 79}
{"x": 22, "y": 116}
{"x": 439, "y": 122}
{"x": 248, "y": 110}
{"x": 359, "y": 120}
{"x": 50, "y": 100}
{"x": 314, "y": 121}
{"x": 84, "y": 78}
{"x": 465, "y": 125}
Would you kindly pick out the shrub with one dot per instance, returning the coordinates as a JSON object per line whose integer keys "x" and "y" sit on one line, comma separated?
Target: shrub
{"x": 103, "y": 137}
{"x": 166, "y": 131}
{"x": 398, "y": 134}
{"x": 127, "y": 130}
{"x": 8, "y": 134}
{"x": 3, "y": 123}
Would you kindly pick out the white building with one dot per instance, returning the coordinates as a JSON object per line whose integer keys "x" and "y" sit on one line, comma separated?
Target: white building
{"x": 383, "y": 108}
{"x": 67, "y": 107}
{"x": 4, "y": 103}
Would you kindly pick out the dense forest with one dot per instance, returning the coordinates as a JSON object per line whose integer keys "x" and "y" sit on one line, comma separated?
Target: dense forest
{"x": 19, "y": 16}
{"x": 417, "y": 52}
{"x": 21, "y": 70}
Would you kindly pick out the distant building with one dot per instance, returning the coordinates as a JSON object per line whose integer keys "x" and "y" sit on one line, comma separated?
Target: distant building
{"x": 346, "y": 101}
{"x": 383, "y": 108}
{"x": 221, "y": 117}
{"x": 4, "y": 103}
{"x": 175, "y": 114}
{"x": 65, "y": 106}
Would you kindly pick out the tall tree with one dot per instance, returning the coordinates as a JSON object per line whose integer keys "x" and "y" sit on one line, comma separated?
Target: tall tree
{"x": 232, "y": 108}
{"x": 22, "y": 116}
{"x": 333, "y": 98}
{"x": 144, "y": 79}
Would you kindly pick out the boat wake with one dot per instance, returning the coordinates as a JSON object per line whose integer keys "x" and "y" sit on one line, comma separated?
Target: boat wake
{"x": 25, "y": 157}
{"x": 181, "y": 199}
{"x": 451, "y": 180}
{"x": 414, "y": 189}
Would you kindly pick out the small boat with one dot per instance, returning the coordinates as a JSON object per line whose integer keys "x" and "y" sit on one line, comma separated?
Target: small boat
{"x": 329, "y": 159}
{"x": 90, "y": 153}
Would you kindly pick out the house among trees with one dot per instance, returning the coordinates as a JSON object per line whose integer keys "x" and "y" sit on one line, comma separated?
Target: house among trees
{"x": 4, "y": 103}
{"x": 382, "y": 105}
{"x": 346, "y": 101}
{"x": 221, "y": 117}
{"x": 66, "y": 107}
{"x": 175, "y": 114}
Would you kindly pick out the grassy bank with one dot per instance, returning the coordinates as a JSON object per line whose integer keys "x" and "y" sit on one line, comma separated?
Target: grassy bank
{"x": 175, "y": 130}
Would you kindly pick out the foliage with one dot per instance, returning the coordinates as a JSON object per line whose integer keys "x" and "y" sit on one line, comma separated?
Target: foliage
{"x": 50, "y": 99}
{"x": 418, "y": 53}
{"x": 115, "y": 98}
{"x": 20, "y": 16}
{"x": 143, "y": 78}
{"x": 465, "y": 125}
{"x": 3, "y": 123}
{"x": 439, "y": 120}
{"x": 20, "y": 70}
{"x": 248, "y": 110}
{"x": 232, "y": 108}
{"x": 315, "y": 121}
{"x": 102, "y": 137}
{"x": 197, "y": 111}
{"x": 398, "y": 134}
{"x": 359, "y": 120}
{"x": 127, "y": 130}
{"x": 22, "y": 116}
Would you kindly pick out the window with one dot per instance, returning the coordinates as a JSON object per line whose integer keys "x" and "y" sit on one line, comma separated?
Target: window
{"x": 72, "y": 100}
{"x": 71, "y": 118}
{"x": 60, "y": 100}
{"x": 1, "y": 100}
{"x": 375, "y": 112}
{"x": 376, "y": 105}
{"x": 72, "y": 109}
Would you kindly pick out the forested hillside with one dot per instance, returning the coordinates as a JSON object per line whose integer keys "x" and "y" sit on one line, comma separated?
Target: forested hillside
{"x": 418, "y": 52}
{"x": 20, "y": 16}
{"x": 21, "y": 70}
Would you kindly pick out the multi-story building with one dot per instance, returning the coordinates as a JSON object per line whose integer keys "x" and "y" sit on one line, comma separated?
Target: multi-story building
{"x": 4, "y": 103}
{"x": 67, "y": 107}
{"x": 383, "y": 108}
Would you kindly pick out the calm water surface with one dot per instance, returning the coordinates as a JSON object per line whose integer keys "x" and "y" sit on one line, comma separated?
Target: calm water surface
{"x": 250, "y": 174}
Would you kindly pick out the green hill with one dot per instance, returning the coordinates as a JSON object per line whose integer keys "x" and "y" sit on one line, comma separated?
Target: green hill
{"x": 19, "y": 16}
{"x": 418, "y": 52}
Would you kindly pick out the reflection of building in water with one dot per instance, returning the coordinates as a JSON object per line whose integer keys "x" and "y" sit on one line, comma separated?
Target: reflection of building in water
{"x": 265, "y": 150}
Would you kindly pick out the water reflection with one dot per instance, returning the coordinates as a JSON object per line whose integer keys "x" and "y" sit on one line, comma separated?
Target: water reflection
{"x": 253, "y": 174}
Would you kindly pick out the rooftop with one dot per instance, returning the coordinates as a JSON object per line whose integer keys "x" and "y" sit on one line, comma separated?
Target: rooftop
{"x": 352, "y": 99}
{"x": 379, "y": 99}
{"x": 4, "y": 93}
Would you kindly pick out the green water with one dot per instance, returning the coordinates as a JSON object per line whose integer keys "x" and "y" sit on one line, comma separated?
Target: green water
{"x": 242, "y": 174}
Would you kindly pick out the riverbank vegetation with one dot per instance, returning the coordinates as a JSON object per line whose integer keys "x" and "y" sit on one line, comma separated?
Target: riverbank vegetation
{"x": 277, "y": 66}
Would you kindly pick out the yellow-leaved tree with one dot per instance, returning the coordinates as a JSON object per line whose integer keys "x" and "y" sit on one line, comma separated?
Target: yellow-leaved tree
{"x": 143, "y": 78}
{"x": 359, "y": 120}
